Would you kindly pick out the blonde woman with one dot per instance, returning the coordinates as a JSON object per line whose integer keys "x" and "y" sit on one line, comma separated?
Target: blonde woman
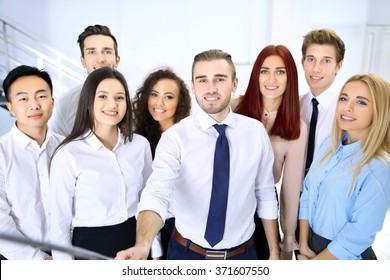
{"x": 347, "y": 190}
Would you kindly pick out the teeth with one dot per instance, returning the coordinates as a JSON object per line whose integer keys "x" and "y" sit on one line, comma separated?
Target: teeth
{"x": 315, "y": 78}
{"x": 346, "y": 118}
{"x": 271, "y": 87}
{"x": 159, "y": 110}
{"x": 211, "y": 98}
{"x": 110, "y": 113}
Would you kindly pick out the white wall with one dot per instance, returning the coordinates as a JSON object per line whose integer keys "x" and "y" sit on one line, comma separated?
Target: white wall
{"x": 348, "y": 18}
{"x": 150, "y": 33}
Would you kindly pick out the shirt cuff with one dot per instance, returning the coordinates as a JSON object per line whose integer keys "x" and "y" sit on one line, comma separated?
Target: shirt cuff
{"x": 156, "y": 250}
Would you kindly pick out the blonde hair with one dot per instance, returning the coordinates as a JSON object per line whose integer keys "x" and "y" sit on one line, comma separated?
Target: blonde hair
{"x": 377, "y": 143}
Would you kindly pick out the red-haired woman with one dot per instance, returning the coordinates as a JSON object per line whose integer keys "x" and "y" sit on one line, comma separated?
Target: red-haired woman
{"x": 272, "y": 97}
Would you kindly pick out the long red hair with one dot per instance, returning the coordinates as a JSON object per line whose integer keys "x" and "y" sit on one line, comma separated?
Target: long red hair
{"x": 287, "y": 122}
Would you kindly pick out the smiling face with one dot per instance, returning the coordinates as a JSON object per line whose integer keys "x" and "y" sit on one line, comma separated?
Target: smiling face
{"x": 273, "y": 79}
{"x": 163, "y": 101}
{"x": 212, "y": 84}
{"x": 99, "y": 51}
{"x": 31, "y": 103}
{"x": 320, "y": 66}
{"x": 355, "y": 110}
{"x": 109, "y": 104}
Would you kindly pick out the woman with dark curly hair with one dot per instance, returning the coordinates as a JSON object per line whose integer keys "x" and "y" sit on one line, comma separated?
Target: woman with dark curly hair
{"x": 161, "y": 101}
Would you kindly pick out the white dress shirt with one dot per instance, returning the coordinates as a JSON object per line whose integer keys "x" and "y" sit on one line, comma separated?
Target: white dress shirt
{"x": 183, "y": 171}
{"x": 64, "y": 112}
{"x": 326, "y": 110}
{"x": 92, "y": 186}
{"x": 24, "y": 192}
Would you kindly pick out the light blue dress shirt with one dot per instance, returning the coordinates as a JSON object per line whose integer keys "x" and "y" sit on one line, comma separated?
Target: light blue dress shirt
{"x": 351, "y": 222}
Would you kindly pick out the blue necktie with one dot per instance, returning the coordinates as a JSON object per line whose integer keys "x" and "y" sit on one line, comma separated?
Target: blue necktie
{"x": 219, "y": 194}
{"x": 312, "y": 134}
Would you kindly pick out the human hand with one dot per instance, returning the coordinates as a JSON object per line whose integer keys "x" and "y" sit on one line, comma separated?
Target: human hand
{"x": 133, "y": 253}
{"x": 274, "y": 256}
{"x": 301, "y": 257}
{"x": 285, "y": 255}
{"x": 305, "y": 253}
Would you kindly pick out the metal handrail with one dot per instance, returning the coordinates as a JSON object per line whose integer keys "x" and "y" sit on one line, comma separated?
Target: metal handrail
{"x": 48, "y": 48}
{"x": 22, "y": 46}
{"x": 45, "y": 57}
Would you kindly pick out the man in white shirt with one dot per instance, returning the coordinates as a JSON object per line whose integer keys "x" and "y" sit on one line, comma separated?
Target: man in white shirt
{"x": 25, "y": 154}
{"x": 99, "y": 49}
{"x": 322, "y": 58}
{"x": 183, "y": 174}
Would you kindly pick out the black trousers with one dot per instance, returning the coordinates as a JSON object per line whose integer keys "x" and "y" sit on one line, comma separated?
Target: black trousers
{"x": 261, "y": 243}
{"x": 106, "y": 240}
{"x": 166, "y": 233}
{"x": 318, "y": 243}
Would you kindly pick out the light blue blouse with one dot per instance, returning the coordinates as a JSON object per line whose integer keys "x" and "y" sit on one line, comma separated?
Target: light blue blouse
{"x": 351, "y": 222}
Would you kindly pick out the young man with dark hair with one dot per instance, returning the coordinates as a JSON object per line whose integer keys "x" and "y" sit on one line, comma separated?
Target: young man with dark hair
{"x": 99, "y": 48}
{"x": 25, "y": 154}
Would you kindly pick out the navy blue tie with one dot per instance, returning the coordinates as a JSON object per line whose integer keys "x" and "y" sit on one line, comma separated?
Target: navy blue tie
{"x": 219, "y": 195}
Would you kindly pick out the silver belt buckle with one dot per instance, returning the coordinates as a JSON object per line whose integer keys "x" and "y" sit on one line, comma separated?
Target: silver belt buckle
{"x": 216, "y": 255}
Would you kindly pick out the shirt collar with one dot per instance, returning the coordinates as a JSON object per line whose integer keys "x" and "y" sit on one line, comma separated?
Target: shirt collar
{"x": 24, "y": 141}
{"x": 95, "y": 143}
{"x": 326, "y": 98}
{"x": 352, "y": 149}
{"x": 205, "y": 121}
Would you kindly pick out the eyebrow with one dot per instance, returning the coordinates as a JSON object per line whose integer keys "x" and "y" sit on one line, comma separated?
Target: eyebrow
{"x": 327, "y": 57}
{"x": 359, "y": 97}
{"x": 362, "y": 97}
{"x": 104, "y": 91}
{"x": 216, "y": 75}
{"x": 93, "y": 48}
{"x": 25, "y": 92}
{"x": 281, "y": 67}
{"x": 168, "y": 92}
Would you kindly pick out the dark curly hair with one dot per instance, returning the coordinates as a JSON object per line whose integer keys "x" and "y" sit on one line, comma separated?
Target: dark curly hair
{"x": 144, "y": 124}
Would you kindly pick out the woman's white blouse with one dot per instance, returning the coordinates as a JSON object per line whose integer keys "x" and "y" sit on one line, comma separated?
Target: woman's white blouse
{"x": 92, "y": 186}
